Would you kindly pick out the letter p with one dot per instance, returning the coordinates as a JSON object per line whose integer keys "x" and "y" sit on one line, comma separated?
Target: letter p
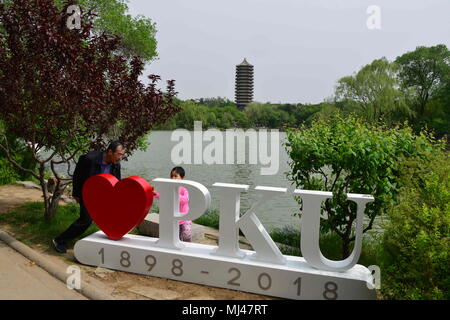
{"x": 169, "y": 208}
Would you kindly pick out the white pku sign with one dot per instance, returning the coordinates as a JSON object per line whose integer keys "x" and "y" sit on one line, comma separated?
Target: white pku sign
{"x": 264, "y": 271}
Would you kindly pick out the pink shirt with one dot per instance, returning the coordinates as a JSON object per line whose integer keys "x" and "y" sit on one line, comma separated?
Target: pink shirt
{"x": 183, "y": 195}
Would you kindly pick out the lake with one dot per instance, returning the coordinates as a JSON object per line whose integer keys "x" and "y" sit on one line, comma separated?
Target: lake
{"x": 162, "y": 153}
{"x": 157, "y": 162}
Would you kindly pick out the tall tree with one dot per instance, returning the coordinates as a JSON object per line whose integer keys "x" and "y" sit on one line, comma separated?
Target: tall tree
{"x": 373, "y": 92}
{"x": 66, "y": 90}
{"x": 137, "y": 33}
{"x": 137, "y": 39}
{"x": 425, "y": 70}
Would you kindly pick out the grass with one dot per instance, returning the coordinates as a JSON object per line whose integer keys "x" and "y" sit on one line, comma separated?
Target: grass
{"x": 330, "y": 245}
{"x": 31, "y": 228}
{"x": 209, "y": 219}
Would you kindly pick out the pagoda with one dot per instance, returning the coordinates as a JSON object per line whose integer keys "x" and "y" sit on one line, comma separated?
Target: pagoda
{"x": 244, "y": 84}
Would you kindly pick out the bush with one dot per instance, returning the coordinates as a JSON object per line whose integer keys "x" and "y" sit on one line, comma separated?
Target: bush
{"x": 346, "y": 155}
{"x": 416, "y": 243}
{"x": 330, "y": 245}
{"x": 7, "y": 173}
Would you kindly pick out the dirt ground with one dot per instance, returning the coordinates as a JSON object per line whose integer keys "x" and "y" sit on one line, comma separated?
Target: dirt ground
{"x": 120, "y": 285}
{"x": 14, "y": 195}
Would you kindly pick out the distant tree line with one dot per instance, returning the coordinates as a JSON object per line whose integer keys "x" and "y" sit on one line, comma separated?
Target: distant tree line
{"x": 221, "y": 113}
{"x": 415, "y": 87}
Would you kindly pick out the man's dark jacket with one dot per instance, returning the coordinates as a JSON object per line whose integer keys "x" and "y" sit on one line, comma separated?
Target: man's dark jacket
{"x": 90, "y": 165}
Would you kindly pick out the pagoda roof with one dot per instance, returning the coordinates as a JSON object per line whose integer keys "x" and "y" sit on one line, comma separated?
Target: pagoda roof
{"x": 245, "y": 63}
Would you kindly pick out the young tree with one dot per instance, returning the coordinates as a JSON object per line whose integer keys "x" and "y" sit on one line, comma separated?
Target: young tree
{"x": 65, "y": 90}
{"x": 345, "y": 155}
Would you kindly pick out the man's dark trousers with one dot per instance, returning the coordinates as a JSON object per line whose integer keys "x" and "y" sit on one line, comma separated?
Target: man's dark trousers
{"x": 88, "y": 166}
{"x": 78, "y": 227}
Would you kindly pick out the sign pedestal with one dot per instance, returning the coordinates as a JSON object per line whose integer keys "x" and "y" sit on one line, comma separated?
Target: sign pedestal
{"x": 197, "y": 263}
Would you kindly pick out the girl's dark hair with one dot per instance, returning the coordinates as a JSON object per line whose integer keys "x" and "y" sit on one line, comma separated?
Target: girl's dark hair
{"x": 178, "y": 170}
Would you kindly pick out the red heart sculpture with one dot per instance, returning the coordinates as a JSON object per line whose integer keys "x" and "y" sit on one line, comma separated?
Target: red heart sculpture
{"x": 117, "y": 206}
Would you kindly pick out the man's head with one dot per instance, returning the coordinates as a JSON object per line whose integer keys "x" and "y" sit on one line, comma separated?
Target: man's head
{"x": 114, "y": 153}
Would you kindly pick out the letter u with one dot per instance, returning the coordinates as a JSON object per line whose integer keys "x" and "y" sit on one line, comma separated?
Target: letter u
{"x": 310, "y": 230}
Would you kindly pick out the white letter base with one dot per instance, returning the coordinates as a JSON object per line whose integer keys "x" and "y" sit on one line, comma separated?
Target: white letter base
{"x": 195, "y": 263}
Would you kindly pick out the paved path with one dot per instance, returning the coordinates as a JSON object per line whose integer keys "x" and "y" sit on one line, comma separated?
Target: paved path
{"x": 21, "y": 279}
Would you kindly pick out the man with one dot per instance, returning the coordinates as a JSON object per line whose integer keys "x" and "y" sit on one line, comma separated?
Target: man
{"x": 90, "y": 164}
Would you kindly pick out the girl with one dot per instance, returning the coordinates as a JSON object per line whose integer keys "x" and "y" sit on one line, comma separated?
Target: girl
{"x": 185, "y": 232}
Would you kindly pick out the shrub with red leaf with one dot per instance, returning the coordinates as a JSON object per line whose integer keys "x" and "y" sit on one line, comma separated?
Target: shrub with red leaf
{"x": 67, "y": 90}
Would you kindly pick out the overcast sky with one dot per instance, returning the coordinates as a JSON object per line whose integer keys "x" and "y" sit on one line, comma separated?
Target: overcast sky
{"x": 299, "y": 48}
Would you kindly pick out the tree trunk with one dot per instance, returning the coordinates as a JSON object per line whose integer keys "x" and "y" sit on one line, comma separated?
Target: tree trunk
{"x": 45, "y": 193}
{"x": 53, "y": 205}
{"x": 53, "y": 201}
{"x": 48, "y": 216}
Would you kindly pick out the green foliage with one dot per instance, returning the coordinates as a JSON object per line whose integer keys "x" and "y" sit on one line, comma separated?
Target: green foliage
{"x": 330, "y": 245}
{"x": 137, "y": 33}
{"x": 223, "y": 114}
{"x": 425, "y": 71}
{"x": 417, "y": 234}
{"x": 373, "y": 93}
{"x": 326, "y": 111}
{"x": 8, "y": 174}
{"x": 346, "y": 155}
{"x": 215, "y": 102}
{"x": 21, "y": 155}
{"x": 437, "y": 113}
{"x": 191, "y": 112}
{"x": 230, "y": 117}
{"x": 210, "y": 219}
{"x": 416, "y": 87}
{"x": 267, "y": 115}
{"x": 287, "y": 235}
{"x": 222, "y": 117}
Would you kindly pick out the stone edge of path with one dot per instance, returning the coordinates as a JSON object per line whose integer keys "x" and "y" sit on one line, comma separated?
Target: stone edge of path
{"x": 87, "y": 290}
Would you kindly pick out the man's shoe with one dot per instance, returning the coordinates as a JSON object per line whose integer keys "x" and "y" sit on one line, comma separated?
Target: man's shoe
{"x": 60, "y": 247}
